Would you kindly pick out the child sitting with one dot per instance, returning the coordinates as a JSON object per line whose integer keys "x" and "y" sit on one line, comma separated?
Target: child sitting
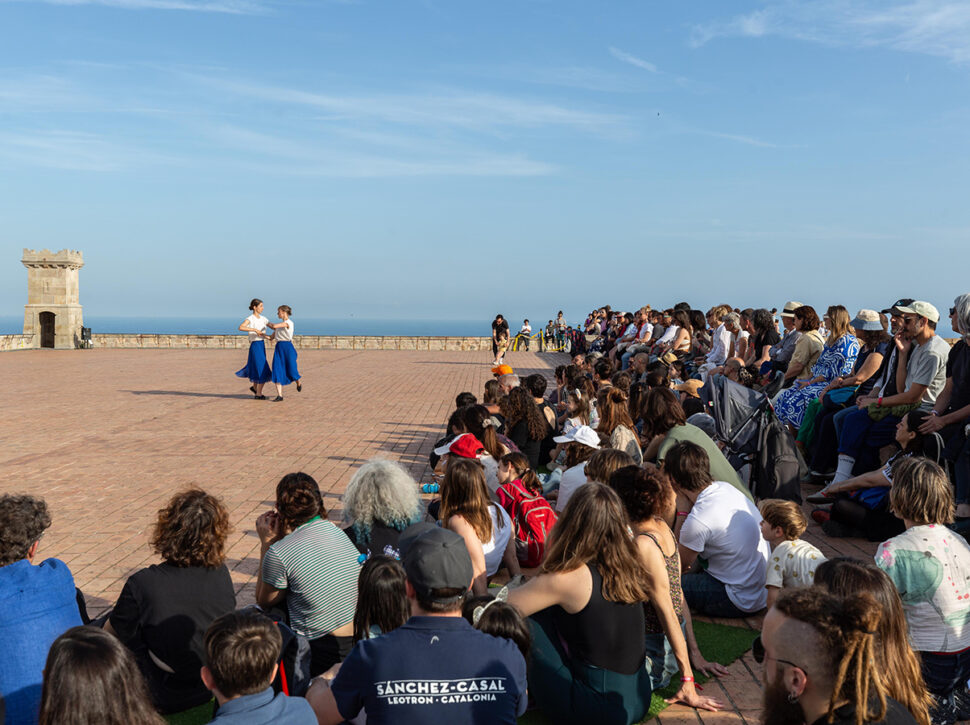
{"x": 792, "y": 562}
{"x": 498, "y": 618}
{"x": 242, "y": 650}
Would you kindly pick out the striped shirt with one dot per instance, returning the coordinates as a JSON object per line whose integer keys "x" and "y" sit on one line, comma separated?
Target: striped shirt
{"x": 317, "y": 566}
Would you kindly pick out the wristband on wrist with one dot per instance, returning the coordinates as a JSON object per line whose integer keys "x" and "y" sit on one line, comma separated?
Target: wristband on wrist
{"x": 879, "y": 402}
{"x": 686, "y": 679}
{"x": 933, "y": 412}
{"x": 682, "y": 513}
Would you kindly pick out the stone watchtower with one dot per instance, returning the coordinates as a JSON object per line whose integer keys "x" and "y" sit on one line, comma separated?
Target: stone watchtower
{"x": 53, "y": 313}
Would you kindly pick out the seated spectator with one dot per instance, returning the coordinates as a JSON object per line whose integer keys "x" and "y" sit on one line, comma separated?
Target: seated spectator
{"x": 647, "y": 498}
{"x": 951, "y": 411}
{"x": 242, "y": 650}
{"x": 465, "y": 399}
{"x": 90, "y": 677}
{"x": 311, "y": 566}
{"x": 381, "y": 500}
{"x": 526, "y": 425}
{"x": 922, "y": 357}
{"x": 484, "y": 525}
{"x": 39, "y": 604}
{"x": 820, "y": 435}
{"x": 793, "y": 561}
{"x": 641, "y": 345}
{"x": 895, "y": 659}
{"x": 809, "y": 345}
{"x": 723, "y": 527}
{"x": 720, "y": 341}
{"x": 520, "y": 494}
{"x": 500, "y": 619}
{"x": 536, "y": 384}
{"x": 587, "y": 618}
{"x": 820, "y": 664}
{"x": 701, "y": 340}
{"x": 164, "y": 610}
{"x": 382, "y": 603}
{"x": 625, "y": 338}
{"x": 602, "y": 372}
{"x": 604, "y": 463}
{"x": 665, "y": 425}
{"x": 436, "y": 653}
{"x": 930, "y": 567}
{"x": 836, "y": 360}
{"x": 781, "y": 352}
{"x": 507, "y": 381}
{"x": 616, "y": 423}
{"x": 577, "y": 410}
{"x": 860, "y": 505}
{"x": 522, "y": 337}
{"x": 622, "y": 380}
{"x": 581, "y": 443}
{"x": 763, "y": 338}
{"x": 482, "y": 426}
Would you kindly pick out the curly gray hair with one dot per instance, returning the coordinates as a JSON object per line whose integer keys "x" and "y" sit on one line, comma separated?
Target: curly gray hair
{"x": 380, "y": 492}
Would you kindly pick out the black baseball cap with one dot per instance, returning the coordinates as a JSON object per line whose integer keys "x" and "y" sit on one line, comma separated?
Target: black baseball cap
{"x": 903, "y": 302}
{"x": 435, "y": 558}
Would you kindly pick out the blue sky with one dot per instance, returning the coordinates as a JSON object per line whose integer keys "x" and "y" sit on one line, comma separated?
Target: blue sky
{"x": 454, "y": 159}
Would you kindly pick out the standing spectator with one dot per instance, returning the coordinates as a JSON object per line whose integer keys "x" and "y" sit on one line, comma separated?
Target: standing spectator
{"x": 422, "y": 672}
{"x": 39, "y": 604}
{"x": 164, "y": 609}
{"x": 930, "y": 566}
{"x": 90, "y": 678}
{"x": 723, "y": 527}
{"x": 820, "y": 662}
{"x": 242, "y": 650}
{"x": 500, "y": 338}
{"x": 310, "y": 565}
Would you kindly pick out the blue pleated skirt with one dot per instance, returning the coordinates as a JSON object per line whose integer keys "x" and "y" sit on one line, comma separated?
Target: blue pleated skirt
{"x": 257, "y": 369}
{"x": 284, "y": 363}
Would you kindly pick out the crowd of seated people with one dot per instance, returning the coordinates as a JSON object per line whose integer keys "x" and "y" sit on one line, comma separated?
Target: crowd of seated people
{"x": 576, "y": 525}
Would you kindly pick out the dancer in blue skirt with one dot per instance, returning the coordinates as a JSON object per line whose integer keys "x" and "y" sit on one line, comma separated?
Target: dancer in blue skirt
{"x": 284, "y": 358}
{"x": 257, "y": 369}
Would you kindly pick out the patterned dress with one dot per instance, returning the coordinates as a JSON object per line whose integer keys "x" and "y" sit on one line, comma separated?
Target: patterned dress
{"x": 835, "y": 361}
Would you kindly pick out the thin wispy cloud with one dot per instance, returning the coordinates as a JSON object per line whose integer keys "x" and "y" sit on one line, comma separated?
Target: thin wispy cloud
{"x": 434, "y": 109}
{"x": 932, "y": 27}
{"x": 739, "y": 138}
{"x": 234, "y": 7}
{"x": 72, "y": 151}
{"x": 633, "y": 60}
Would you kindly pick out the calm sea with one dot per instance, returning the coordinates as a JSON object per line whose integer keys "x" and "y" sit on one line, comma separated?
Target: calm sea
{"x": 304, "y": 326}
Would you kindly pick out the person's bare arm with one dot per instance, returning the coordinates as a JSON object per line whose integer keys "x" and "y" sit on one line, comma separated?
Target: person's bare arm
{"x": 772, "y": 595}
{"x": 687, "y": 557}
{"x": 324, "y": 704}
{"x": 475, "y": 551}
{"x": 696, "y": 658}
{"x": 869, "y": 368}
{"x": 569, "y": 589}
{"x": 268, "y": 529}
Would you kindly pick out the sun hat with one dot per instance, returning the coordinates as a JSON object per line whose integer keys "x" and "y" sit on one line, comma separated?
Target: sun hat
{"x": 789, "y": 309}
{"x": 435, "y": 558}
{"x": 502, "y": 370}
{"x": 923, "y": 309}
{"x": 690, "y": 387}
{"x": 580, "y": 434}
{"x": 867, "y": 321}
{"x": 901, "y": 302}
{"x": 466, "y": 446}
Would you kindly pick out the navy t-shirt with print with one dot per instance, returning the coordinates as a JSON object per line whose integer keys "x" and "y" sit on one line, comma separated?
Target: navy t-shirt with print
{"x": 433, "y": 669}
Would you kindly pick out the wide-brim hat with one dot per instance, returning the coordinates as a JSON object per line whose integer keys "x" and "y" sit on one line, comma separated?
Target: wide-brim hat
{"x": 789, "y": 309}
{"x": 691, "y": 387}
{"x": 867, "y": 320}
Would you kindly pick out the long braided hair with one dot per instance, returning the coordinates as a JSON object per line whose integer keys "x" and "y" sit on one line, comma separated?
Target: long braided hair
{"x": 846, "y": 627}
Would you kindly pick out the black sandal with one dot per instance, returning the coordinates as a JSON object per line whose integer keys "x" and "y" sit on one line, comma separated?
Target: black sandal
{"x": 299, "y": 386}
{"x": 253, "y": 389}
{"x": 260, "y": 397}
{"x": 278, "y": 399}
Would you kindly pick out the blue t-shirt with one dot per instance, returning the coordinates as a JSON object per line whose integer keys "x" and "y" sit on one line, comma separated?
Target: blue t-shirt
{"x": 433, "y": 669}
{"x": 37, "y": 605}
{"x": 263, "y": 708}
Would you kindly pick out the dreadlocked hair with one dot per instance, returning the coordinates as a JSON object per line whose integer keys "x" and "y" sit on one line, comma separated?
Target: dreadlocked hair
{"x": 846, "y": 628}
{"x": 526, "y": 476}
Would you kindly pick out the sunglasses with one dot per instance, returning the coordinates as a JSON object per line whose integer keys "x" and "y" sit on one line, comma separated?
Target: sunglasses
{"x": 953, "y": 310}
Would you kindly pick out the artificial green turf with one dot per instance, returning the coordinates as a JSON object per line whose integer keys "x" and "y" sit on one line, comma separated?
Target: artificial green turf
{"x": 719, "y": 643}
{"x": 196, "y": 716}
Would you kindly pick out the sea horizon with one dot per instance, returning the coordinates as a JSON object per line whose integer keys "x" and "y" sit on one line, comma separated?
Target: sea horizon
{"x": 304, "y": 326}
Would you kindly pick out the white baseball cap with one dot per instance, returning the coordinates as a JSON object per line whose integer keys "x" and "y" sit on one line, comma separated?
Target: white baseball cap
{"x": 580, "y": 434}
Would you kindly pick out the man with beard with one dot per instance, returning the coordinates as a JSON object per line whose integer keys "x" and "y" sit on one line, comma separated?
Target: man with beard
{"x": 819, "y": 663}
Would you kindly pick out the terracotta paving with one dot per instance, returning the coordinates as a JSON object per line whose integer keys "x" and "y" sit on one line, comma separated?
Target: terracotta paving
{"x": 106, "y": 436}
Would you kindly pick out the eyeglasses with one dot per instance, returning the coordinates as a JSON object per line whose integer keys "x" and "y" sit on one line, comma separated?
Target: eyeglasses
{"x": 760, "y": 654}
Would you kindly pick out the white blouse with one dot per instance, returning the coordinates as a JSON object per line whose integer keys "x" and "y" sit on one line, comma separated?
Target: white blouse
{"x": 257, "y": 322}
{"x": 285, "y": 333}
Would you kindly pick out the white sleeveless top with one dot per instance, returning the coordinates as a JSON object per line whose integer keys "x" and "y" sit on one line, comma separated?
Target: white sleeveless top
{"x": 495, "y": 548}
{"x": 285, "y": 333}
{"x": 257, "y": 322}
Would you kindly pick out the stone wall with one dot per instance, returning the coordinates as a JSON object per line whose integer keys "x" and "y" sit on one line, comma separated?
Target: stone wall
{"x": 301, "y": 342}
{"x": 16, "y": 342}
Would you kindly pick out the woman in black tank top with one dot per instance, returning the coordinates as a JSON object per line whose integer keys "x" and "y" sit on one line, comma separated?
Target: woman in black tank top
{"x": 588, "y": 595}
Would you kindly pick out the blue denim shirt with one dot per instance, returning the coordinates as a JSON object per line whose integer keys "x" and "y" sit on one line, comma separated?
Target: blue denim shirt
{"x": 265, "y": 707}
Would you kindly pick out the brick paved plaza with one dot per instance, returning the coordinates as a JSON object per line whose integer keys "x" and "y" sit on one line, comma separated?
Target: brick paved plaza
{"x": 106, "y": 436}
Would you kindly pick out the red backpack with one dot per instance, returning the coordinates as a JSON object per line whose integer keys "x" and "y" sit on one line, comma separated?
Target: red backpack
{"x": 532, "y": 520}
